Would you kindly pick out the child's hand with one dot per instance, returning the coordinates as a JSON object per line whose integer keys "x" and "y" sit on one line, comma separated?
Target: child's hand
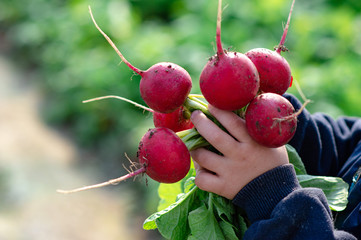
{"x": 243, "y": 159}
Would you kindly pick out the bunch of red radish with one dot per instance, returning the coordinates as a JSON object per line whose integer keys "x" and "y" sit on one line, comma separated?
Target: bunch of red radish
{"x": 253, "y": 82}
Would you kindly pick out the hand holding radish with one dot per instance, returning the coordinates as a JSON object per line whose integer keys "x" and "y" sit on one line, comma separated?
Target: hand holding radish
{"x": 235, "y": 131}
{"x": 230, "y": 81}
{"x": 242, "y": 158}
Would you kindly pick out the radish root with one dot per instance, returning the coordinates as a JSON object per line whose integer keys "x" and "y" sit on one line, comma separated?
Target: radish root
{"x": 294, "y": 115}
{"x": 109, "y": 182}
{"x": 140, "y": 72}
{"x": 120, "y": 98}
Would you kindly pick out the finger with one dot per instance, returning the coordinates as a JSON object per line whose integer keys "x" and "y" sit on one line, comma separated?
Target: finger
{"x": 196, "y": 165}
{"x": 207, "y": 181}
{"x": 219, "y": 139}
{"x": 234, "y": 124}
{"x": 207, "y": 159}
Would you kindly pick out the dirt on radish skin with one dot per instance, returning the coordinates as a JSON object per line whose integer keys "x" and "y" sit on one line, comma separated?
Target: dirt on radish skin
{"x": 274, "y": 70}
{"x": 176, "y": 121}
{"x": 229, "y": 80}
{"x": 164, "y": 155}
{"x": 271, "y": 120}
{"x": 164, "y": 86}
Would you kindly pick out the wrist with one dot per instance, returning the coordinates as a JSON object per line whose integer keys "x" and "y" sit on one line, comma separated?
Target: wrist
{"x": 260, "y": 196}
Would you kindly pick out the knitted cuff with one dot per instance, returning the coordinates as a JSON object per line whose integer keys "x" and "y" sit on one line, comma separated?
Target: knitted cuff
{"x": 259, "y": 197}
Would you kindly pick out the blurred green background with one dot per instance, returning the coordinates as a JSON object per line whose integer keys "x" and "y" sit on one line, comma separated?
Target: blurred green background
{"x": 53, "y": 49}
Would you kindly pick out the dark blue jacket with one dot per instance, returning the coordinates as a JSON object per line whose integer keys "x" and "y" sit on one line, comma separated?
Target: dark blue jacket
{"x": 279, "y": 208}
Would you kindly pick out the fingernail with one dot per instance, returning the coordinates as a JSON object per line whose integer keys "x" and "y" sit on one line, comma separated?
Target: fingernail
{"x": 195, "y": 114}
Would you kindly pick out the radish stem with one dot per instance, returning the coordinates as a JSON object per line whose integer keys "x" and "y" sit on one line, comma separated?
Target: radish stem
{"x": 280, "y": 47}
{"x": 218, "y": 32}
{"x": 195, "y": 96}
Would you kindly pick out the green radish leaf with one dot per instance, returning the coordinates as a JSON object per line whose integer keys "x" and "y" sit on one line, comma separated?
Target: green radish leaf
{"x": 224, "y": 207}
{"x": 168, "y": 194}
{"x": 242, "y": 225}
{"x": 171, "y": 195}
{"x": 225, "y": 212}
{"x": 172, "y": 222}
{"x": 228, "y": 230}
{"x": 215, "y": 220}
{"x": 335, "y": 189}
{"x": 189, "y": 184}
{"x": 204, "y": 225}
{"x": 295, "y": 159}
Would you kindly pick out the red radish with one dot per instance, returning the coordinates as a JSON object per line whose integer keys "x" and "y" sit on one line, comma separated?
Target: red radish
{"x": 274, "y": 70}
{"x": 229, "y": 80}
{"x": 175, "y": 121}
{"x": 164, "y": 86}
{"x": 162, "y": 155}
{"x": 271, "y": 120}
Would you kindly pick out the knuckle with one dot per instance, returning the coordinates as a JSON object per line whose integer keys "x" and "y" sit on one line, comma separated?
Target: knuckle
{"x": 233, "y": 122}
{"x": 197, "y": 155}
{"x": 216, "y": 137}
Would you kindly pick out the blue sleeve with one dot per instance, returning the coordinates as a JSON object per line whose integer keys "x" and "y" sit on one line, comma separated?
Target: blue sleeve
{"x": 332, "y": 147}
{"x": 278, "y": 208}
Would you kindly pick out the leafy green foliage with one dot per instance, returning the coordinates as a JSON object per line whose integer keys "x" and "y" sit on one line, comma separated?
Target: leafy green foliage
{"x": 194, "y": 214}
{"x": 295, "y": 159}
{"x": 335, "y": 189}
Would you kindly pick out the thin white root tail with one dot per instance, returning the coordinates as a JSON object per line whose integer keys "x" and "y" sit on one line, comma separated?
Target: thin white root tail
{"x": 298, "y": 87}
{"x": 305, "y": 102}
{"x": 120, "y": 98}
{"x": 110, "y": 182}
{"x": 113, "y": 45}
